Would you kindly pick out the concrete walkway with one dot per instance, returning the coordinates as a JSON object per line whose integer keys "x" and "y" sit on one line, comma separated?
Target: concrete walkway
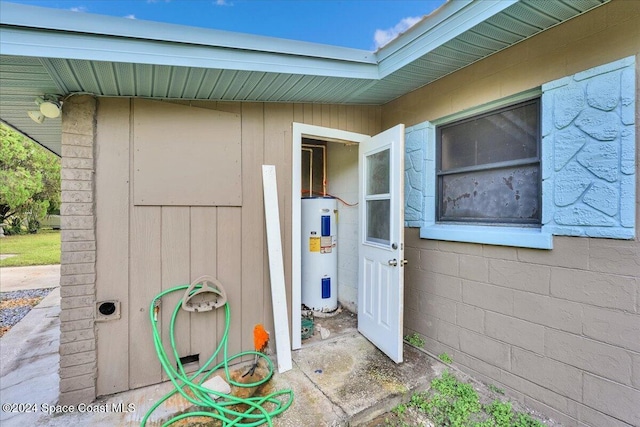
{"x": 341, "y": 381}
{"x": 35, "y": 277}
{"x": 29, "y": 361}
{"x": 29, "y": 358}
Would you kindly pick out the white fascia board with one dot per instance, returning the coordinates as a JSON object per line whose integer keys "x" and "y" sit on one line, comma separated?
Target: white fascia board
{"x": 85, "y": 23}
{"x": 448, "y": 22}
{"x": 43, "y": 32}
{"x": 74, "y": 22}
{"x": 57, "y": 44}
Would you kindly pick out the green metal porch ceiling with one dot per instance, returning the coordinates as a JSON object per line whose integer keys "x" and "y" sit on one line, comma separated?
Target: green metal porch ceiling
{"x": 71, "y": 56}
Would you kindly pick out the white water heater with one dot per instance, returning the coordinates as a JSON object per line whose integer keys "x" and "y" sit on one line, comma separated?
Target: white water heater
{"x": 319, "y": 253}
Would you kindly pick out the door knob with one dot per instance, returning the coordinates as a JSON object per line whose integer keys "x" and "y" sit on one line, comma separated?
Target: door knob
{"x": 404, "y": 262}
{"x": 393, "y": 262}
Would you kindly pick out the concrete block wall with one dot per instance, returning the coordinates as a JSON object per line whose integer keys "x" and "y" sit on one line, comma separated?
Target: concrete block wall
{"x": 559, "y": 329}
{"x": 77, "y": 271}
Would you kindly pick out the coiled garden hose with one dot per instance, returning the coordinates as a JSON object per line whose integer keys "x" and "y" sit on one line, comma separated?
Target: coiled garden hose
{"x": 222, "y": 409}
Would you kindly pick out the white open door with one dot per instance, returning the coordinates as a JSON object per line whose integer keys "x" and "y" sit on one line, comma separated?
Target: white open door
{"x": 381, "y": 252}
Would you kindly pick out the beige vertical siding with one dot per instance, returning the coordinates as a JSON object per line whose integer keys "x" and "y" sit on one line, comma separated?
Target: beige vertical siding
{"x": 112, "y": 229}
{"x": 175, "y": 224}
{"x": 204, "y": 255}
{"x": 143, "y": 250}
{"x": 559, "y": 329}
{"x": 145, "y": 282}
{"x": 173, "y": 163}
{"x": 253, "y": 256}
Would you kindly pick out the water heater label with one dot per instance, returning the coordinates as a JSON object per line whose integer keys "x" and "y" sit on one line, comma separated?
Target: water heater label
{"x": 314, "y": 244}
{"x": 325, "y": 245}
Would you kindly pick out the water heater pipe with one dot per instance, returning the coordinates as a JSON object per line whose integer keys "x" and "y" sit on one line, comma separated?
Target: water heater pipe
{"x": 324, "y": 166}
{"x": 310, "y": 169}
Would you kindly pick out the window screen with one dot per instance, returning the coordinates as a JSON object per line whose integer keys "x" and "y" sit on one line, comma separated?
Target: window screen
{"x": 489, "y": 167}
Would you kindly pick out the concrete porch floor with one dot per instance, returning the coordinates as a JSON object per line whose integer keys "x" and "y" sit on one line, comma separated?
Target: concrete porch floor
{"x": 343, "y": 380}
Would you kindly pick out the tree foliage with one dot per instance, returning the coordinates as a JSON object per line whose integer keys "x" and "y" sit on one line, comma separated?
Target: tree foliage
{"x": 29, "y": 180}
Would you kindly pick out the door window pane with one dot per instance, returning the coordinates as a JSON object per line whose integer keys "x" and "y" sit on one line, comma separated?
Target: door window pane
{"x": 378, "y": 221}
{"x": 378, "y": 173}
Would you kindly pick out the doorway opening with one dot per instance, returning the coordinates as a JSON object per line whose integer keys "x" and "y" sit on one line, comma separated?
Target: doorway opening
{"x": 325, "y": 168}
{"x": 369, "y": 169}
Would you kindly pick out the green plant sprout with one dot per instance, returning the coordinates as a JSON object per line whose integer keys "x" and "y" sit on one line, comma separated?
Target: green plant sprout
{"x": 445, "y": 358}
{"x": 415, "y": 340}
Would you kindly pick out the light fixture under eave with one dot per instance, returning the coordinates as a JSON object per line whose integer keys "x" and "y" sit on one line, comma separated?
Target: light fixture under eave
{"x": 36, "y": 116}
{"x": 50, "y": 107}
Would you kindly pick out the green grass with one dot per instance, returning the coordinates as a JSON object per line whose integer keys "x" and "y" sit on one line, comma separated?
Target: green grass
{"x": 31, "y": 249}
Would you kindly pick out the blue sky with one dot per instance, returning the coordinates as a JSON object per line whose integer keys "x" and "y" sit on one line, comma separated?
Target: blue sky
{"x": 361, "y": 24}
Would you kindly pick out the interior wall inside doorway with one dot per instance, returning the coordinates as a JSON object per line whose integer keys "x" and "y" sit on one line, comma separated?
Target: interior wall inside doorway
{"x": 342, "y": 167}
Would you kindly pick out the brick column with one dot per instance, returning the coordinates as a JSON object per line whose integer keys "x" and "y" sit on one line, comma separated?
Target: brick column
{"x": 78, "y": 270}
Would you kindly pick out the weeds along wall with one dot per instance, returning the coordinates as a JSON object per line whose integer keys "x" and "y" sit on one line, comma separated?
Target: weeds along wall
{"x": 559, "y": 329}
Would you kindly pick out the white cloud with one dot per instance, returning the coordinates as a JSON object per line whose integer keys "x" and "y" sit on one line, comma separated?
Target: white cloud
{"x": 132, "y": 16}
{"x": 382, "y": 37}
{"x": 78, "y": 9}
{"x": 223, "y": 3}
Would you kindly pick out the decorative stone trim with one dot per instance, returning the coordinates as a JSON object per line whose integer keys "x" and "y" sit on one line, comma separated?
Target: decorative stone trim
{"x": 77, "y": 273}
{"x": 416, "y": 169}
{"x": 588, "y": 152}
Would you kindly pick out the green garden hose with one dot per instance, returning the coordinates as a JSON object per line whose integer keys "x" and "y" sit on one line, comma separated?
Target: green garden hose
{"x": 221, "y": 409}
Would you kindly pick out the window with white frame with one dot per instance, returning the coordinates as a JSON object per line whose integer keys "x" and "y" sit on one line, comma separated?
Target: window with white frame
{"x": 488, "y": 167}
